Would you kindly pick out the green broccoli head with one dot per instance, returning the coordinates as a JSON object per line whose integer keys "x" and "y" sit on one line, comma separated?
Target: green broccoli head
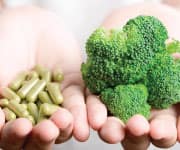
{"x": 146, "y": 36}
{"x": 124, "y": 101}
{"x": 132, "y": 68}
{"x": 122, "y": 57}
{"x": 163, "y": 81}
{"x": 102, "y": 68}
{"x": 150, "y": 30}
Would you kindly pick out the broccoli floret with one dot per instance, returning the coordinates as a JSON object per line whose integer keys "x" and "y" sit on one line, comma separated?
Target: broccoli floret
{"x": 126, "y": 100}
{"x": 163, "y": 81}
{"x": 173, "y": 46}
{"x": 152, "y": 30}
{"x": 146, "y": 36}
{"x": 102, "y": 69}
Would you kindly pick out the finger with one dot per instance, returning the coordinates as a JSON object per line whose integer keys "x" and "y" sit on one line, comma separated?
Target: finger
{"x": 64, "y": 121}
{"x": 74, "y": 102}
{"x": 163, "y": 129}
{"x": 178, "y": 128}
{"x": 15, "y": 133}
{"x": 97, "y": 112}
{"x": 138, "y": 125}
{"x": 2, "y": 119}
{"x": 136, "y": 143}
{"x": 43, "y": 136}
{"x": 137, "y": 133}
{"x": 112, "y": 131}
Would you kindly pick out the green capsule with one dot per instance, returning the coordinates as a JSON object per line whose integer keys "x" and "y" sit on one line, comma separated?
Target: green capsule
{"x": 33, "y": 93}
{"x": 16, "y": 83}
{"x": 44, "y": 97}
{"x": 23, "y": 91}
{"x": 9, "y": 115}
{"x": 32, "y": 74}
{"x": 10, "y": 94}
{"x": 33, "y": 110}
{"x": 24, "y": 106}
{"x": 48, "y": 109}
{"x": 54, "y": 91}
{"x": 4, "y": 102}
{"x": 43, "y": 72}
{"x": 57, "y": 75}
{"x": 46, "y": 76}
{"x": 17, "y": 109}
{"x": 30, "y": 118}
{"x": 24, "y": 82}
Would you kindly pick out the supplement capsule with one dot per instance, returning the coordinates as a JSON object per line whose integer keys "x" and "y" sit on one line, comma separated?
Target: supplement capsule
{"x": 33, "y": 110}
{"x": 24, "y": 82}
{"x": 48, "y": 109}
{"x": 54, "y": 91}
{"x": 4, "y": 102}
{"x": 16, "y": 83}
{"x": 33, "y": 93}
{"x": 44, "y": 97}
{"x": 23, "y": 91}
{"x": 30, "y": 118}
{"x": 57, "y": 75}
{"x": 17, "y": 109}
{"x": 46, "y": 76}
{"x": 24, "y": 106}
{"x": 9, "y": 115}
{"x": 10, "y": 94}
{"x": 44, "y": 73}
{"x": 32, "y": 74}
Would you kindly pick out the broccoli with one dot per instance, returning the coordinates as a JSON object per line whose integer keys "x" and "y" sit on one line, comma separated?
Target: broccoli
{"x": 173, "y": 46}
{"x": 122, "y": 63}
{"x": 163, "y": 81}
{"x": 126, "y": 100}
{"x": 104, "y": 50}
{"x": 146, "y": 35}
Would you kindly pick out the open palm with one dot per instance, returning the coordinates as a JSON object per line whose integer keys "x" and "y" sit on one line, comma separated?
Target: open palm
{"x": 161, "y": 129}
{"x": 30, "y": 36}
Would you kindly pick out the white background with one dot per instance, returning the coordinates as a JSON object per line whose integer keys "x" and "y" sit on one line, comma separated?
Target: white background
{"x": 82, "y": 17}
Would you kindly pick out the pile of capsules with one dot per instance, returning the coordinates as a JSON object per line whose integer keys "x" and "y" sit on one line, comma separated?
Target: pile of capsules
{"x": 34, "y": 95}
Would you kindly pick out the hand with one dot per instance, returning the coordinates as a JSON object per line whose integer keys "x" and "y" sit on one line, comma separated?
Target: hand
{"x": 161, "y": 129}
{"x": 30, "y": 36}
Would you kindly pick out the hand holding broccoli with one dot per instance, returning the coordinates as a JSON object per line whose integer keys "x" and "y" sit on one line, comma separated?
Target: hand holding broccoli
{"x": 133, "y": 70}
{"x": 118, "y": 61}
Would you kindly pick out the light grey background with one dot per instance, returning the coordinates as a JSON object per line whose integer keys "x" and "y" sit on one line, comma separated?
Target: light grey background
{"x": 82, "y": 17}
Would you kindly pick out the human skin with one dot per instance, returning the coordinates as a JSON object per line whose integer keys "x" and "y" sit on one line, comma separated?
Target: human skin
{"x": 137, "y": 134}
{"x": 174, "y": 3}
{"x": 1, "y": 4}
{"x": 30, "y": 36}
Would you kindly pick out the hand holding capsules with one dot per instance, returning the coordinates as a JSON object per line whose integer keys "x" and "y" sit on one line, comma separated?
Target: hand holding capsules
{"x": 30, "y": 36}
